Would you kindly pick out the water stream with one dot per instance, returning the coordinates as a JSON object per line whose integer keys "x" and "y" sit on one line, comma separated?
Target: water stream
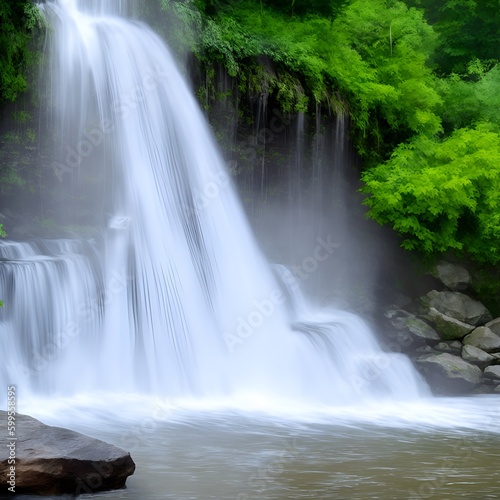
{"x": 174, "y": 298}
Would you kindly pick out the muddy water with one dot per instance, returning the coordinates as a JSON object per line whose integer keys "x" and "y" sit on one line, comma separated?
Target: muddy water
{"x": 443, "y": 449}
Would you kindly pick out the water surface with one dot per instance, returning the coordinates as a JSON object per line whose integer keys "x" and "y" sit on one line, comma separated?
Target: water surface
{"x": 437, "y": 448}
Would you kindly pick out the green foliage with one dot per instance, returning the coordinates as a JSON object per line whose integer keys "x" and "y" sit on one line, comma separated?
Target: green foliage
{"x": 369, "y": 57}
{"x": 240, "y": 40}
{"x": 326, "y": 8}
{"x": 430, "y": 143}
{"x": 18, "y": 18}
{"x": 442, "y": 195}
{"x": 470, "y": 98}
{"x": 468, "y": 30}
{"x": 372, "y": 53}
{"x": 378, "y": 58}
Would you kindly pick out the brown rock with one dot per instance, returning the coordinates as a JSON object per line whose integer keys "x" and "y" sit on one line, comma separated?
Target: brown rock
{"x": 55, "y": 461}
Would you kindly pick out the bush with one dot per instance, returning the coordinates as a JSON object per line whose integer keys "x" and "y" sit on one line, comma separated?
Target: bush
{"x": 442, "y": 195}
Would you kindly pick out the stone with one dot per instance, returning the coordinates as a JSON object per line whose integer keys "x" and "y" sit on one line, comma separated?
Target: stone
{"x": 483, "y": 338}
{"x": 476, "y": 356}
{"x": 425, "y": 349}
{"x": 401, "y": 300}
{"x": 448, "y": 374}
{"x": 497, "y": 389}
{"x": 453, "y": 276}
{"x": 482, "y": 389}
{"x": 454, "y": 347}
{"x": 489, "y": 382}
{"x": 56, "y": 461}
{"x": 410, "y": 330}
{"x": 447, "y": 327}
{"x": 492, "y": 372}
{"x": 494, "y": 326}
{"x": 458, "y": 306}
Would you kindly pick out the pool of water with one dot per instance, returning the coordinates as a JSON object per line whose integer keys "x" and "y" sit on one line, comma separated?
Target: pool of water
{"x": 437, "y": 448}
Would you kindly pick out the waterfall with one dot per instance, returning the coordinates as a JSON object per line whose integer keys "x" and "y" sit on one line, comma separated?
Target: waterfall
{"x": 175, "y": 299}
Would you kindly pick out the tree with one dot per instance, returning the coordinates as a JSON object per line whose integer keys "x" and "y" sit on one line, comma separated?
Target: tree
{"x": 379, "y": 53}
{"x": 327, "y": 8}
{"x": 18, "y": 18}
{"x": 468, "y": 29}
{"x": 442, "y": 195}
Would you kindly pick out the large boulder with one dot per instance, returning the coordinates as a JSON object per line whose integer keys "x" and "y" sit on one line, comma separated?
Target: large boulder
{"x": 55, "y": 461}
{"x": 448, "y": 328}
{"x": 451, "y": 347}
{"x": 492, "y": 372}
{"x": 483, "y": 338}
{"x": 410, "y": 330}
{"x": 494, "y": 326}
{"x": 448, "y": 374}
{"x": 453, "y": 276}
{"x": 476, "y": 356}
{"x": 458, "y": 306}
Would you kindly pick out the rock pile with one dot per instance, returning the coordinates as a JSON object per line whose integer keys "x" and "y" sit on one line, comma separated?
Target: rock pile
{"x": 452, "y": 338}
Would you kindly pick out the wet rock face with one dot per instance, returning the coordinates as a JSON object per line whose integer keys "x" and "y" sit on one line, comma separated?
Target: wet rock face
{"x": 449, "y": 328}
{"x": 450, "y": 336}
{"x": 453, "y": 276}
{"x": 448, "y": 373}
{"x": 406, "y": 325}
{"x": 458, "y": 306}
{"x": 476, "y": 356}
{"x": 55, "y": 461}
{"x": 483, "y": 338}
{"x": 494, "y": 326}
{"x": 493, "y": 372}
{"x": 453, "y": 356}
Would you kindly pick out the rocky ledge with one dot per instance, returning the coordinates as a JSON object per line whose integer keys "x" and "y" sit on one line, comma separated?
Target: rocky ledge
{"x": 452, "y": 338}
{"x": 47, "y": 460}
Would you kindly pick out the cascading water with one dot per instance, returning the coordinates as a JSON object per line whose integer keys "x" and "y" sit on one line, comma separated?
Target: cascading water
{"x": 177, "y": 300}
